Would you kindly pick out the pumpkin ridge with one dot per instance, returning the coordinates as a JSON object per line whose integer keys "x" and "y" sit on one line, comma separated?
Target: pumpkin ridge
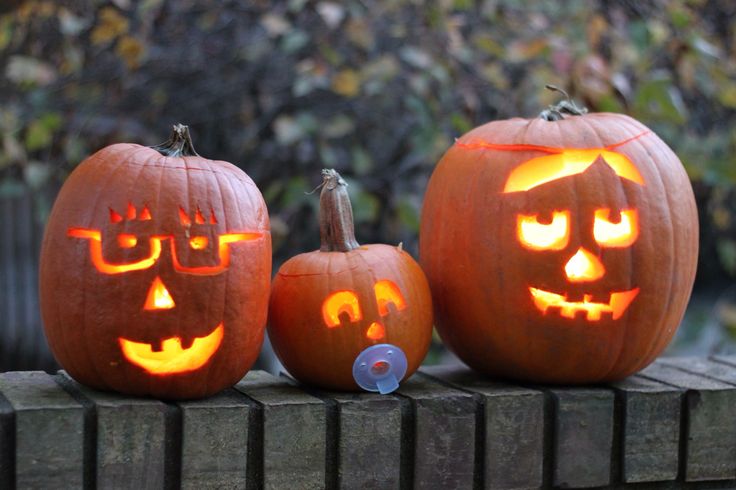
{"x": 623, "y": 331}
{"x": 85, "y": 321}
{"x": 479, "y": 269}
{"x": 611, "y": 372}
{"x": 64, "y": 337}
{"x": 105, "y": 191}
{"x": 663, "y": 334}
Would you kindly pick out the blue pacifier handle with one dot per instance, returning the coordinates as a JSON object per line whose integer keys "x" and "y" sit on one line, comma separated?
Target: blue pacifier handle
{"x": 380, "y": 368}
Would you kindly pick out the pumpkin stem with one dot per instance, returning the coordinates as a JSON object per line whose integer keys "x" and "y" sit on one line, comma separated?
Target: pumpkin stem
{"x": 336, "y": 229}
{"x": 558, "y": 111}
{"x": 179, "y": 144}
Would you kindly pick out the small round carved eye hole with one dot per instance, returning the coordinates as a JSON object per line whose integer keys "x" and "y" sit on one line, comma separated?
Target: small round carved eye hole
{"x": 198, "y": 242}
{"x": 127, "y": 241}
{"x": 544, "y": 236}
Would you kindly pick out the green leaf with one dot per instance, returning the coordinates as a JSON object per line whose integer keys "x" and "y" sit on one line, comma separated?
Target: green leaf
{"x": 25, "y": 70}
{"x": 361, "y": 162}
{"x": 337, "y": 127}
{"x": 727, "y": 254}
{"x": 328, "y": 156}
{"x": 294, "y": 194}
{"x": 294, "y": 41}
{"x": 40, "y": 132}
{"x": 408, "y": 213}
{"x": 659, "y": 99}
{"x": 365, "y": 206}
{"x": 460, "y": 123}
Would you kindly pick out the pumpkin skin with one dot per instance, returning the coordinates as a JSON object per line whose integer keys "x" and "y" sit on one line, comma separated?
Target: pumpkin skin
{"x": 188, "y": 317}
{"x": 322, "y": 353}
{"x": 490, "y": 286}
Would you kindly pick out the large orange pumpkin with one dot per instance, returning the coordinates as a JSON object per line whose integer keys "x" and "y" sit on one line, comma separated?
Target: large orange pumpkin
{"x": 349, "y": 316}
{"x": 155, "y": 271}
{"x": 559, "y": 249}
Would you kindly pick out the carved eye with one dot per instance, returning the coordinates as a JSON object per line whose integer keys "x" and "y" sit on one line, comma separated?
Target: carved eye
{"x": 338, "y": 303}
{"x": 198, "y": 242}
{"x": 127, "y": 241}
{"x": 621, "y": 234}
{"x": 544, "y": 236}
{"x": 388, "y": 292}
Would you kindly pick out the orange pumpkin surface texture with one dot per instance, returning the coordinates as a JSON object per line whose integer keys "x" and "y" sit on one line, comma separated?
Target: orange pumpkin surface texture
{"x": 349, "y": 316}
{"x": 560, "y": 249}
{"x": 155, "y": 271}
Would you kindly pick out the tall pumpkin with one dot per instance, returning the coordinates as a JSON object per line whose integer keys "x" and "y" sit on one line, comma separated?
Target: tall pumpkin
{"x": 559, "y": 249}
{"x": 348, "y": 316}
{"x": 155, "y": 271}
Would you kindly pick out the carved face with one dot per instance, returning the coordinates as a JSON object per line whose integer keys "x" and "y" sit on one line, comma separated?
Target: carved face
{"x": 329, "y": 307}
{"x": 132, "y": 242}
{"x": 155, "y": 273}
{"x": 581, "y": 236}
{"x": 559, "y": 251}
{"x": 344, "y": 307}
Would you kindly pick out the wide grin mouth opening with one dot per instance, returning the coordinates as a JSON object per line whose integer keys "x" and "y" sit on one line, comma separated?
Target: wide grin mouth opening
{"x": 617, "y": 304}
{"x": 173, "y": 358}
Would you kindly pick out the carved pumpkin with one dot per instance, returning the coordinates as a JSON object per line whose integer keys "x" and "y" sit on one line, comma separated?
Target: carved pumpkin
{"x": 155, "y": 271}
{"x": 559, "y": 249}
{"x": 349, "y": 316}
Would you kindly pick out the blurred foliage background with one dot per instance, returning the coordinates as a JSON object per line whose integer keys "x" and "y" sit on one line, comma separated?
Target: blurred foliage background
{"x": 375, "y": 89}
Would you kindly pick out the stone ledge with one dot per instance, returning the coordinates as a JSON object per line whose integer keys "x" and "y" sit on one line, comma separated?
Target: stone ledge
{"x": 671, "y": 426}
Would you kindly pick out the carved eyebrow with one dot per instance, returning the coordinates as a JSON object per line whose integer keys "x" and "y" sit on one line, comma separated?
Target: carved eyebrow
{"x": 548, "y": 168}
{"x": 553, "y": 166}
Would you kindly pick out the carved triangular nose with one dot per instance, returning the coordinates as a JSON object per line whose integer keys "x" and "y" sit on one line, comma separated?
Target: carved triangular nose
{"x": 584, "y": 266}
{"x": 158, "y": 297}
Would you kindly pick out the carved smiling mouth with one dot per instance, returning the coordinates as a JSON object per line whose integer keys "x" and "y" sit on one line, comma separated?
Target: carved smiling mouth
{"x": 173, "y": 358}
{"x": 617, "y": 304}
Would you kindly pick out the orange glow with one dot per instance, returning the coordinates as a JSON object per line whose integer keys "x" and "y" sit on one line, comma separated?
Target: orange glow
{"x": 213, "y": 220}
{"x": 621, "y": 234}
{"x": 548, "y": 168}
{"x": 198, "y": 218}
{"x": 388, "y": 292}
{"x": 617, "y": 304}
{"x": 127, "y": 241}
{"x": 198, "y": 242}
{"x": 376, "y": 331}
{"x": 95, "y": 252}
{"x": 115, "y": 217}
{"x": 538, "y": 236}
{"x": 158, "y": 297}
{"x": 184, "y": 217}
{"x": 341, "y": 302}
{"x": 145, "y": 214}
{"x": 173, "y": 359}
{"x": 584, "y": 266}
{"x": 131, "y": 211}
{"x": 223, "y": 251}
{"x": 380, "y": 368}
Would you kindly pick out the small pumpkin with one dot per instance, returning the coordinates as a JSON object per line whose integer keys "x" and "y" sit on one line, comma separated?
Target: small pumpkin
{"x": 348, "y": 316}
{"x": 155, "y": 271}
{"x": 559, "y": 249}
